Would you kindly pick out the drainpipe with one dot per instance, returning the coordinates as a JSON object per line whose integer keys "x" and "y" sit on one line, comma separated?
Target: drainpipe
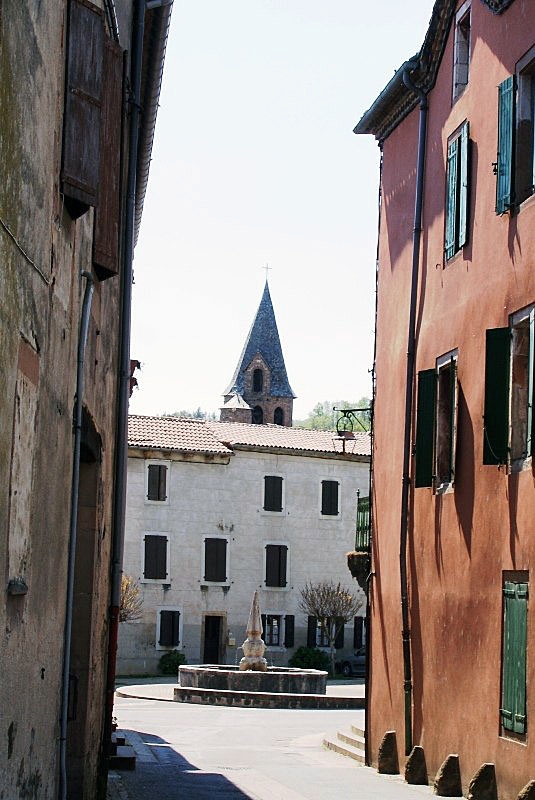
{"x": 121, "y": 441}
{"x": 367, "y": 754}
{"x": 411, "y": 354}
{"x": 73, "y": 531}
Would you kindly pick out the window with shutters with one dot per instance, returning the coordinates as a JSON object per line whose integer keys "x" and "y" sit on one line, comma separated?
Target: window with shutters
{"x": 318, "y": 634}
{"x": 515, "y": 159}
{"x": 330, "y": 498}
{"x": 156, "y": 482}
{"x": 83, "y": 101}
{"x": 168, "y": 628}
{"x": 513, "y": 714}
{"x": 457, "y": 192}
{"x": 509, "y": 391}
{"x": 215, "y": 560}
{"x": 273, "y": 493}
{"x": 272, "y": 626}
{"x": 461, "y": 50}
{"x": 156, "y": 557}
{"x": 276, "y": 565}
{"x": 436, "y": 424}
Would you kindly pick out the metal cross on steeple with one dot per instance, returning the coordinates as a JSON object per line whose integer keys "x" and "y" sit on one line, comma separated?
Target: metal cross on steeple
{"x": 267, "y": 267}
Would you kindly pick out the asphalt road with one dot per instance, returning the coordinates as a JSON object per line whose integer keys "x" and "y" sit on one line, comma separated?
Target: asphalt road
{"x": 190, "y": 752}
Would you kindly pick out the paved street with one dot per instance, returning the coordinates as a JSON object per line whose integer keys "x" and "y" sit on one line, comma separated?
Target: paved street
{"x": 188, "y": 752}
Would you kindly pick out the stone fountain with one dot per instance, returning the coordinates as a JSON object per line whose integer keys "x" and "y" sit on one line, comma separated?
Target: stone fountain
{"x": 253, "y": 683}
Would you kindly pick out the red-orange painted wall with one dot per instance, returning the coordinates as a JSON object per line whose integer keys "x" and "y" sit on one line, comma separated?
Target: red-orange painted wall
{"x": 461, "y": 542}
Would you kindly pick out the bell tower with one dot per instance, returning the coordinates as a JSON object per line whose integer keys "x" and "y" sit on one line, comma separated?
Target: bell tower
{"x": 260, "y": 391}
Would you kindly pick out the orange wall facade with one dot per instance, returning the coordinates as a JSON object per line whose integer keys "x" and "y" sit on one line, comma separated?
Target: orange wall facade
{"x": 460, "y": 542}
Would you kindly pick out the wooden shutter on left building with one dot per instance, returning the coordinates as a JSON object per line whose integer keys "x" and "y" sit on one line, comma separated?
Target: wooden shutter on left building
{"x": 83, "y": 97}
{"x": 107, "y": 213}
{"x": 496, "y": 410}
{"x": 425, "y": 428}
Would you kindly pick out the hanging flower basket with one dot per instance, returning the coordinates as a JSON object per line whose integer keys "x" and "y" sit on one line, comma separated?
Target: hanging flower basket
{"x": 359, "y": 565}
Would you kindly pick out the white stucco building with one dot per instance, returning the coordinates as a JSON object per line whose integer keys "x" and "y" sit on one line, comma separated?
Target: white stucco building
{"x": 216, "y": 510}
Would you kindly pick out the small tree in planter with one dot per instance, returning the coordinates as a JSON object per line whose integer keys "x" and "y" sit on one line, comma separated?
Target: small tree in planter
{"x": 333, "y": 605}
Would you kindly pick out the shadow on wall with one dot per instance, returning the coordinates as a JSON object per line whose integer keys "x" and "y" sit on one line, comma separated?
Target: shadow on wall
{"x": 162, "y": 772}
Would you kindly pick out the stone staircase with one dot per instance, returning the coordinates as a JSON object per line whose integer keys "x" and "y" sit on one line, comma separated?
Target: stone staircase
{"x": 122, "y": 754}
{"x": 348, "y": 744}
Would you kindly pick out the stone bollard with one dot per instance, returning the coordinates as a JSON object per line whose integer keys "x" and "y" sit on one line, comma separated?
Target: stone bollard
{"x": 528, "y": 792}
{"x": 415, "y": 767}
{"x": 483, "y": 784}
{"x": 448, "y": 778}
{"x": 387, "y": 760}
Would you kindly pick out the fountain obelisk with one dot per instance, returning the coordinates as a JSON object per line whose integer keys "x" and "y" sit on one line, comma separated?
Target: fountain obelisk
{"x": 253, "y": 647}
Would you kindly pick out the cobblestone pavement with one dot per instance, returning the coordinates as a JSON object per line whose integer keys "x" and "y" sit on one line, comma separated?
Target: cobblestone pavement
{"x": 205, "y": 752}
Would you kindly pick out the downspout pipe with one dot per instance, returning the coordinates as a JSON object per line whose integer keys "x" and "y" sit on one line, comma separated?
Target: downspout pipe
{"x": 121, "y": 441}
{"x": 409, "y": 393}
{"x": 73, "y": 531}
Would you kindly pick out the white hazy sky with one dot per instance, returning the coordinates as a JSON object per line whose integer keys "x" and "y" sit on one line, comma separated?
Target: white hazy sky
{"x": 255, "y": 161}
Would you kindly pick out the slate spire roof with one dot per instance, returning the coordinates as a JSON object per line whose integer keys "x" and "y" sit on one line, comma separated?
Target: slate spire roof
{"x": 263, "y": 338}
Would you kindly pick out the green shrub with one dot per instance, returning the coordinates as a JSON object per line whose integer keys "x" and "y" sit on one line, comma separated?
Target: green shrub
{"x": 309, "y": 658}
{"x": 170, "y": 662}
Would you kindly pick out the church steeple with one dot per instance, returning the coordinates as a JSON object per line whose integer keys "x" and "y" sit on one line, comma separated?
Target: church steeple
{"x": 259, "y": 390}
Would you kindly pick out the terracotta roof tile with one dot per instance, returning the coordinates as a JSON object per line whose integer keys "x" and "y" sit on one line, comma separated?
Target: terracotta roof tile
{"x": 198, "y": 436}
{"x": 278, "y": 436}
{"x": 173, "y": 433}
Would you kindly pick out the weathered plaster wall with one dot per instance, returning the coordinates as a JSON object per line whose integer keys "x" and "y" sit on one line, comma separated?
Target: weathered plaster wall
{"x": 460, "y": 542}
{"x": 214, "y": 499}
{"x": 40, "y": 303}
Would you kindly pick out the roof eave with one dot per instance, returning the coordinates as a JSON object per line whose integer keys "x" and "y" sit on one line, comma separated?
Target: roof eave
{"x": 396, "y": 100}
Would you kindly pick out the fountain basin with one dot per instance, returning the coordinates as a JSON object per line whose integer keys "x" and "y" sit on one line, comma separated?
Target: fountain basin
{"x": 287, "y": 680}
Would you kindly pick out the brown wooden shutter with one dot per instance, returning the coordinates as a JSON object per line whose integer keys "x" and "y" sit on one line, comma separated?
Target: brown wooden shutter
{"x": 311, "y": 631}
{"x": 272, "y": 493}
{"x": 283, "y": 559}
{"x": 357, "y": 632}
{"x": 83, "y": 96}
{"x": 339, "y": 640}
{"x": 289, "y": 628}
{"x": 169, "y": 628}
{"x": 155, "y": 558}
{"x": 107, "y": 213}
{"x": 272, "y": 565}
{"x": 215, "y": 560}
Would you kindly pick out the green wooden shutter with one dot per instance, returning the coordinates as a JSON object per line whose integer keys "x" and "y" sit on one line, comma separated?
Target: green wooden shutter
{"x": 506, "y": 120}
{"x": 329, "y": 498}
{"x": 289, "y": 627}
{"x": 425, "y": 427}
{"x": 496, "y": 413}
{"x": 451, "y": 198}
{"x": 513, "y": 709}
{"x": 529, "y": 438}
{"x": 464, "y": 144}
{"x": 453, "y": 416}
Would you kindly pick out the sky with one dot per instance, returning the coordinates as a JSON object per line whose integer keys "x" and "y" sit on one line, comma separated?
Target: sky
{"x": 255, "y": 162}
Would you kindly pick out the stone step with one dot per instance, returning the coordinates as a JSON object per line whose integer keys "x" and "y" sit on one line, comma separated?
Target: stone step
{"x": 358, "y": 731}
{"x": 344, "y": 750}
{"x": 125, "y": 758}
{"x": 355, "y": 741}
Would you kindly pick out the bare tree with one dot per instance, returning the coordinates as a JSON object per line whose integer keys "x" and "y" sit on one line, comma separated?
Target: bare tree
{"x": 333, "y": 605}
{"x": 131, "y": 600}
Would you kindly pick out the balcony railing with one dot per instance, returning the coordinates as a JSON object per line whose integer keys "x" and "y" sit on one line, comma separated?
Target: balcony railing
{"x": 362, "y": 538}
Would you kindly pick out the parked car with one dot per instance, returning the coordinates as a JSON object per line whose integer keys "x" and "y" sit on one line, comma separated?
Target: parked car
{"x": 354, "y": 665}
